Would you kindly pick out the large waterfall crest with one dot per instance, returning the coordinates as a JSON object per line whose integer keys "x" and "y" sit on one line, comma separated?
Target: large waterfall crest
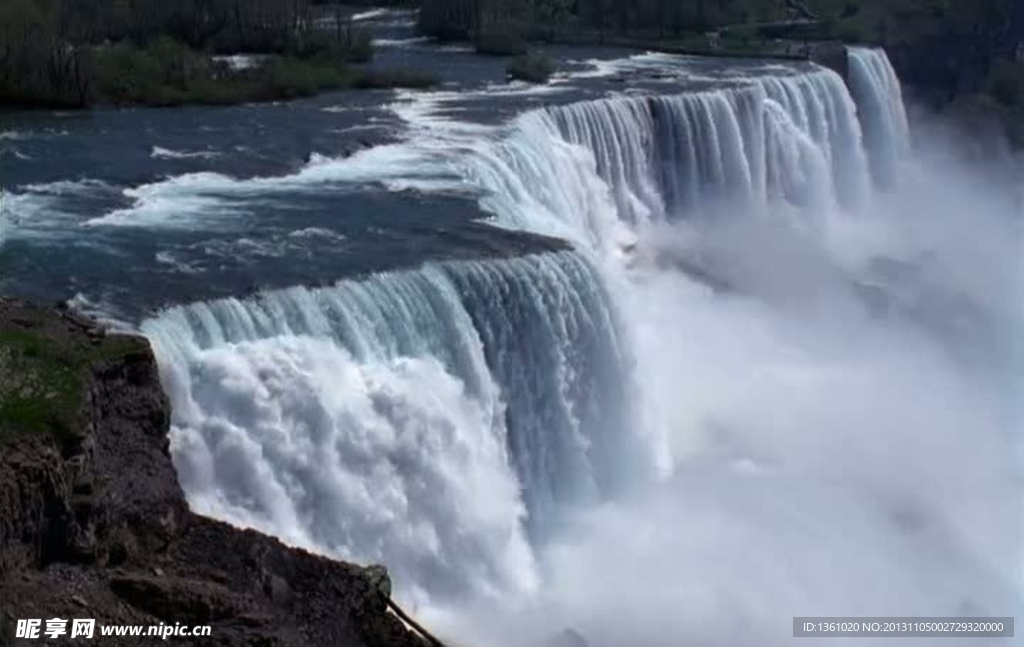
{"x": 790, "y": 143}
{"x": 527, "y": 354}
{"x": 532, "y": 432}
{"x": 423, "y": 418}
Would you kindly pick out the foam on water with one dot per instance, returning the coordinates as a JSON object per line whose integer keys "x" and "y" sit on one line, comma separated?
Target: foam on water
{"x": 208, "y": 200}
{"x": 166, "y": 153}
{"x": 46, "y": 210}
{"x": 371, "y": 14}
{"x": 401, "y": 42}
{"x": 193, "y": 200}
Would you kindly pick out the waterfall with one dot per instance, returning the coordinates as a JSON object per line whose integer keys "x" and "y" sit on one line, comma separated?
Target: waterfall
{"x": 422, "y": 418}
{"x": 486, "y": 428}
{"x": 593, "y": 170}
{"x": 306, "y": 412}
{"x": 879, "y": 98}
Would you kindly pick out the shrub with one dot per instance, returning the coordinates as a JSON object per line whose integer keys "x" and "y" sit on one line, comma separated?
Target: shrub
{"x": 127, "y": 74}
{"x": 533, "y": 67}
{"x": 168, "y": 73}
{"x": 287, "y": 77}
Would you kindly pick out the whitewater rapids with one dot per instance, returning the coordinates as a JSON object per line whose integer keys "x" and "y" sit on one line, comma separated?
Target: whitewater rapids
{"x": 775, "y": 376}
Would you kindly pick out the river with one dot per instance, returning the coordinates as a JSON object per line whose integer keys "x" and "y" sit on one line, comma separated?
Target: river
{"x": 668, "y": 351}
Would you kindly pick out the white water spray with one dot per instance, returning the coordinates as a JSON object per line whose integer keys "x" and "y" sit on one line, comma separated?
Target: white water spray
{"x": 400, "y": 418}
{"x": 809, "y": 361}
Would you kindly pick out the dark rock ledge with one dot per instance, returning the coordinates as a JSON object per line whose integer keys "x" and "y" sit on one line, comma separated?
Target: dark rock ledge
{"x": 94, "y": 525}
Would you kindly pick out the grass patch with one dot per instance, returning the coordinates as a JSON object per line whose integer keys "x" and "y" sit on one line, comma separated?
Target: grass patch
{"x": 42, "y": 388}
{"x": 43, "y": 380}
{"x": 533, "y": 67}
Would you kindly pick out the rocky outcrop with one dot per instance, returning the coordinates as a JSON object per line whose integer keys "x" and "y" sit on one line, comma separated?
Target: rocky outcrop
{"x": 94, "y": 525}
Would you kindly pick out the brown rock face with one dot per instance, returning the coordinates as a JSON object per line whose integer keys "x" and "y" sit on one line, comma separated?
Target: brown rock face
{"x": 93, "y": 523}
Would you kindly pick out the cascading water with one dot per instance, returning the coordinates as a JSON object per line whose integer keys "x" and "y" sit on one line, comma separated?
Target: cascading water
{"x": 792, "y": 140}
{"x": 879, "y": 97}
{"x": 486, "y": 428}
{"x": 782, "y": 400}
{"x": 397, "y": 418}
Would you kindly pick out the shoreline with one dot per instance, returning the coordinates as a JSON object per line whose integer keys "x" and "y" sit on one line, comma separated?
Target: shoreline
{"x": 277, "y": 78}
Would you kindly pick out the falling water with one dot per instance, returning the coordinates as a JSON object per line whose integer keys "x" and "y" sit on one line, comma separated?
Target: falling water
{"x": 491, "y": 429}
{"x": 792, "y": 140}
{"x": 397, "y": 418}
{"x": 879, "y": 97}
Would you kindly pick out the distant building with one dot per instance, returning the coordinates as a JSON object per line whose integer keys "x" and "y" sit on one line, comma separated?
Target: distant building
{"x": 714, "y": 39}
{"x": 1020, "y": 52}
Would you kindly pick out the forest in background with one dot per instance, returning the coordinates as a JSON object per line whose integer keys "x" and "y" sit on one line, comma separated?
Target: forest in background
{"x": 989, "y": 28}
{"x": 72, "y": 53}
{"x": 858, "y": 20}
{"x": 79, "y": 52}
{"x": 962, "y": 55}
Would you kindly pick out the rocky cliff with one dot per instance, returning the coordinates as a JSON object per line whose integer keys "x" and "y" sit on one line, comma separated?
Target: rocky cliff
{"x": 94, "y": 525}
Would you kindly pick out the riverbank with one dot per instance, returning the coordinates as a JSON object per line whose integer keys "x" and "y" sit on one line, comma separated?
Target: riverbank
{"x": 957, "y": 57}
{"x": 65, "y": 55}
{"x": 168, "y": 73}
{"x": 94, "y": 525}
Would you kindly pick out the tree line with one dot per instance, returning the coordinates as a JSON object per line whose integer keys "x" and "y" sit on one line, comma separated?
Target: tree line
{"x": 60, "y": 52}
{"x": 599, "y": 19}
{"x": 51, "y": 50}
{"x": 868, "y": 20}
